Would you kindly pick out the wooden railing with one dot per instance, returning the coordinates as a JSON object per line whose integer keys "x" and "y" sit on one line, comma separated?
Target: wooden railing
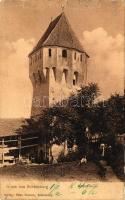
{"x": 5, "y": 149}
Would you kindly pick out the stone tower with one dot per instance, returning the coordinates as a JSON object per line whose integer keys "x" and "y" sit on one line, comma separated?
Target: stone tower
{"x": 57, "y": 65}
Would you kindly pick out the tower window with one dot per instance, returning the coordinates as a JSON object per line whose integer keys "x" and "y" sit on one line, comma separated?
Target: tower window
{"x": 65, "y": 75}
{"x": 81, "y": 57}
{"x": 64, "y": 53}
{"x": 50, "y": 52}
{"x": 54, "y": 72}
{"x": 74, "y": 82}
{"x": 75, "y": 55}
{"x": 75, "y": 78}
{"x": 47, "y": 73}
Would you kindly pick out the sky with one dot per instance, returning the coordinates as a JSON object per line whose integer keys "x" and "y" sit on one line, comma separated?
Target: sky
{"x": 99, "y": 25}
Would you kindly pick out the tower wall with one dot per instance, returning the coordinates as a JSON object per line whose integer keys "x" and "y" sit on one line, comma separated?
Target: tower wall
{"x": 53, "y": 75}
{"x": 40, "y": 82}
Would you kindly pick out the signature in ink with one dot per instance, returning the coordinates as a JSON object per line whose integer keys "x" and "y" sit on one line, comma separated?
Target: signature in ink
{"x": 54, "y": 190}
{"x": 85, "y": 189}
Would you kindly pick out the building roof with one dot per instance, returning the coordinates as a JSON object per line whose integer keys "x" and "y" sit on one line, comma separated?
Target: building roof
{"x": 59, "y": 33}
{"x": 8, "y": 127}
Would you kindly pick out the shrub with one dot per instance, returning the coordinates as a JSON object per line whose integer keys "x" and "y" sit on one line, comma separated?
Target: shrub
{"x": 101, "y": 170}
{"x": 71, "y": 156}
{"x": 116, "y": 161}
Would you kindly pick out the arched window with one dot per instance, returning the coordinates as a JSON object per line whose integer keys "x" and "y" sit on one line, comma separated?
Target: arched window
{"x": 75, "y": 55}
{"x": 75, "y": 78}
{"x": 64, "y": 53}
{"x": 50, "y": 52}
{"x": 54, "y": 72}
{"x": 81, "y": 57}
{"x": 47, "y": 73}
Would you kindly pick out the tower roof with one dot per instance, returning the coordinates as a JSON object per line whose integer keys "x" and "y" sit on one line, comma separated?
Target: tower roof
{"x": 59, "y": 33}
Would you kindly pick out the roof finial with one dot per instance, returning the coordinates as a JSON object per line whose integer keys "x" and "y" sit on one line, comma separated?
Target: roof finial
{"x": 63, "y": 7}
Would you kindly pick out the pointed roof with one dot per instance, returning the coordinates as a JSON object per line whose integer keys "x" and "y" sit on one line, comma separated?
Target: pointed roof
{"x": 59, "y": 33}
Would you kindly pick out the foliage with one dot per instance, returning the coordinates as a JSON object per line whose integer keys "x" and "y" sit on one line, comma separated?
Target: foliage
{"x": 114, "y": 114}
{"x": 116, "y": 160}
{"x": 69, "y": 119}
{"x": 65, "y": 121}
{"x": 101, "y": 170}
{"x": 108, "y": 118}
{"x": 71, "y": 156}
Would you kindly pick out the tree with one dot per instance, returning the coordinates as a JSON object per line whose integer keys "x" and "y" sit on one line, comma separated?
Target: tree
{"x": 108, "y": 117}
{"x": 114, "y": 118}
{"x": 59, "y": 122}
{"x": 114, "y": 114}
{"x": 68, "y": 120}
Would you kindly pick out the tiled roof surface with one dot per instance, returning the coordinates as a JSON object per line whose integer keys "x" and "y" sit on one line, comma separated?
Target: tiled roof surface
{"x": 59, "y": 33}
{"x": 8, "y": 127}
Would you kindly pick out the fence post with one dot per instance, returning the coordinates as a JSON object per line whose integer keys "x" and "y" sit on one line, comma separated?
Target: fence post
{"x": 19, "y": 146}
{"x": 3, "y": 151}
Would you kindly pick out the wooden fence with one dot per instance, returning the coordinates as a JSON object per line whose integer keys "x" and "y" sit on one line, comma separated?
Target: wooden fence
{"x": 6, "y": 147}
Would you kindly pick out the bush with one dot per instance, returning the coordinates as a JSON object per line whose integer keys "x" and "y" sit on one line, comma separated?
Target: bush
{"x": 61, "y": 158}
{"x": 101, "y": 170}
{"x": 71, "y": 156}
{"x": 116, "y": 161}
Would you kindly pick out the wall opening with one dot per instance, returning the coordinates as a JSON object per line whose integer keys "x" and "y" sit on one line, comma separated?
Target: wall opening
{"x": 75, "y": 78}
{"x": 81, "y": 57}
{"x": 75, "y": 55}
{"x": 65, "y": 75}
{"x": 47, "y": 74}
{"x": 54, "y": 72}
{"x": 50, "y": 52}
{"x": 64, "y": 53}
